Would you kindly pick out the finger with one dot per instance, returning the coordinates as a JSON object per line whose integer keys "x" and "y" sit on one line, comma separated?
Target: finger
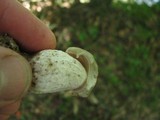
{"x": 8, "y": 110}
{"x": 4, "y": 117}
{"x": 15, "y": 76}
{"x": 28, "y": 30}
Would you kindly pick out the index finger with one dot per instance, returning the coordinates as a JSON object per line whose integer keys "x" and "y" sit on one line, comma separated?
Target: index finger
{"x": 29, "y": 32}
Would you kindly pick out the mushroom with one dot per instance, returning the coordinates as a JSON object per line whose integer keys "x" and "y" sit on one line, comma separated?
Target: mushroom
{"x": 56, "y": 71}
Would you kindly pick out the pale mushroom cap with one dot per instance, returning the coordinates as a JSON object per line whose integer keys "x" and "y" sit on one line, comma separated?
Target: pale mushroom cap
{"x": 89, "y": 63}
{"x": 56, "y": 71}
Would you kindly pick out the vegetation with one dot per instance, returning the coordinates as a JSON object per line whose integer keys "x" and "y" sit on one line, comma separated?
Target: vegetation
{"x": 125, "y": 39}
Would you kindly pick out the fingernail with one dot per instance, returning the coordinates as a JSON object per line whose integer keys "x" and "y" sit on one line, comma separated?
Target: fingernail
{"x": 15, "y": 77}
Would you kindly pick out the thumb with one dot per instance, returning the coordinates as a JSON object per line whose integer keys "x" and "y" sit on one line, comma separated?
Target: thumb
{"x": 15, "y": 76}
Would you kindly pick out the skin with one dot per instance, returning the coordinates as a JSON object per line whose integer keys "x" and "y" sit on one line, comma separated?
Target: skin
{"x": 32, "y": 35}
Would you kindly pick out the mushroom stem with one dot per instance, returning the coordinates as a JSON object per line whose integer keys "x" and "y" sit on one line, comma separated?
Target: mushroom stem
{"x": 56, "y": 71}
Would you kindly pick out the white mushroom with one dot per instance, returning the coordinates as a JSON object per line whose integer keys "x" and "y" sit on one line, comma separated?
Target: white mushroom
{"x": 75, "y": 70}
{"x": 56, "y": 71}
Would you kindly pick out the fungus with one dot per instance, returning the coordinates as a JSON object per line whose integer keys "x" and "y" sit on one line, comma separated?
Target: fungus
{"x": 75, "y": 70}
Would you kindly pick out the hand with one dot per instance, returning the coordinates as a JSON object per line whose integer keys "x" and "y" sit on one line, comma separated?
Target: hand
{"x": 15, "y": 73}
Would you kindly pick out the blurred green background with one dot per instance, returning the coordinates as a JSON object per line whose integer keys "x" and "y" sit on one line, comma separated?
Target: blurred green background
{"x": 124, "y": 37}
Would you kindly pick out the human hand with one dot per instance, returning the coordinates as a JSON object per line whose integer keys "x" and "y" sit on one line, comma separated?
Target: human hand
{"x": 15, "y": 72}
